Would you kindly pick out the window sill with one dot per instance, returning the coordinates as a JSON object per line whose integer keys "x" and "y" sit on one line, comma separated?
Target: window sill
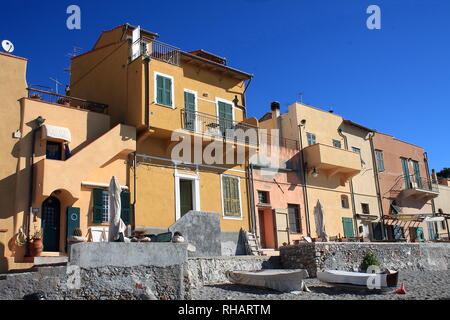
{"x": 232, "y": 218}
{"x": 165, "y": 106}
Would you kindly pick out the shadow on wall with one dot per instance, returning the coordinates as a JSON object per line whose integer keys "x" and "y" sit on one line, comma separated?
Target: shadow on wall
{"x": 3, "y": 260}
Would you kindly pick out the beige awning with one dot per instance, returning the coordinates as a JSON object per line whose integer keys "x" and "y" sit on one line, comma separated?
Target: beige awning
{"x": 55, "y": 132}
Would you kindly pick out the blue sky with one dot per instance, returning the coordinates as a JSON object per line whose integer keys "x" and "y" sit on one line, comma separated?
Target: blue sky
{"x": 395, "y": 80}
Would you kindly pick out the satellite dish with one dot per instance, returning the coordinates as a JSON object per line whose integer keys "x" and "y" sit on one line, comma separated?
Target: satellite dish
{"x": 7, "y": 46}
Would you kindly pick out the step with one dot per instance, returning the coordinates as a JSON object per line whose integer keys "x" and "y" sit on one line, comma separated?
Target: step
{"x": 46, "y": 260}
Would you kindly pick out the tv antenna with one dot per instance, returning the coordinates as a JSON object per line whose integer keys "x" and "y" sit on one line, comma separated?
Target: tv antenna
{"x": 300, "y": 95}
{"x": 7, "y": 46}
{"x": 57, "y": 82}
{"x": 75, "y": 52}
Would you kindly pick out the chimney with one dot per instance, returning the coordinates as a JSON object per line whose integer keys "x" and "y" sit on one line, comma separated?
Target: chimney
{"x": 275, "y": 107}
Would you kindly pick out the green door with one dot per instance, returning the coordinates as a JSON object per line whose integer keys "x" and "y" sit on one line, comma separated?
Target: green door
{"x": 186, "y": 201}
{"x": 72, "y": 221}
{"x": 189, "y": 109}
{"x": 419, "y": 233}
{"x": 50, "y": 224}
{"x": 406, "y": 173}
{"x": 348, "y": 227}
{"x": 431, "y": 231}
{"x": 417, "y": 175}
{"x": 225, "y": 117}
{"x": 398, "y": 232}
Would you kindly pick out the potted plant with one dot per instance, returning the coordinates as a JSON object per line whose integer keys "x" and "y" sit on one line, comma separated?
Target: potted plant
{"x": 35, "y": 96}
{"x": 77, "y": 236}
{"x": 369, "y": 260}
{"x": 63, "y": 101}
{"x": 36, "y": 245}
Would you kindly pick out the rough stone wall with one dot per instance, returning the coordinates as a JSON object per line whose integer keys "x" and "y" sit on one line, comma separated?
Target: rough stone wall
{"x": 103, "y": 283}
{"x": 207, "y": 271}
{"x": 349, "y": 256}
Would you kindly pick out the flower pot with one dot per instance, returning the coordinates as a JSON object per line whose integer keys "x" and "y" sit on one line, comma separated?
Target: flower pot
{"x": 36, "y": 248}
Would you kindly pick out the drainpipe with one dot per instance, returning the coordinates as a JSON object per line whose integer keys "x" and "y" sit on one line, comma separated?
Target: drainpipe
{"x": 425, "y": 158}
{"x": 133, "y": 226}
{"x": 244, "y": 101}
{"x": 355, "y": 222}
{"x": 39, "y": 122}
{"x": 304, "y": 173}
{"x": 251, "y": 191}
{"x": 377, "y": 183}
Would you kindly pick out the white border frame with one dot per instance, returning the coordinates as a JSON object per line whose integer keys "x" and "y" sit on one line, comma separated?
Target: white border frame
{"x": 195, "y": 194}
{"x": 240, "y": 197}
{"x": 156, "y": 89}
{"x": 195, "y": 106}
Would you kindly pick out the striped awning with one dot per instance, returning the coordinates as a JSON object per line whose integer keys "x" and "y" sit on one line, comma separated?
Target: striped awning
{"x": 56, "y": 133}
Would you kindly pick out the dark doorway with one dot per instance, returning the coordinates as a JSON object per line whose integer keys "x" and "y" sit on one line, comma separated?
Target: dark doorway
{"x": 186, "y": 196}
{"x": 51, "y": 210}
{"x": 262, "y": 228}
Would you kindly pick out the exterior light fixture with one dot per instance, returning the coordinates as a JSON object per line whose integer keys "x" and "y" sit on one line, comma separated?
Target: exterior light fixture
{"x": 315, "y": 173}
{"x": 39, "y": 121}
{"x": 302, "y": 123}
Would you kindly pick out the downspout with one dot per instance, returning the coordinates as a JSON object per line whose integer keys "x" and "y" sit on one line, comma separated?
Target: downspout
{"x": 133, "y": 226}
{"x": 252, "y": 199}
{"x": 244, "y": 100}
{"x": 39, "y": 121}
{"x": 433, "y": 206}
{"x": 305, "y": 189}
{"x": 352, "y": 193}
{"x": 377, "y": 183}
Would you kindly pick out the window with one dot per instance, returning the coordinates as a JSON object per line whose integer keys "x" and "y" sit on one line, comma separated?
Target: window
{"x": 311, "y": 137}
{"x": 231, "y": 197}
{"x": 189, "y": 110}
{"x": 295, "y": 225}
{"x": 344, "y": 202}
{"x": 356, "y": 150}
{"x": 380, "y": 161}
{"x": 337, "y": 144}
{"x": 164, "y": 90}
{"x": 53, "y": 150}
{"x": 365, "y": 208}
{"x": 101, "y": 206}
{"x": 263, "y": 197}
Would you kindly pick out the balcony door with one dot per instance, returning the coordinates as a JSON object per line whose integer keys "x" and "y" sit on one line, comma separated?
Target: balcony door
{"x": 189, "y": 110}
{"x": 417, "y": 175}
{"x": 406, "y": 175}
{"x": 225, "y": 112}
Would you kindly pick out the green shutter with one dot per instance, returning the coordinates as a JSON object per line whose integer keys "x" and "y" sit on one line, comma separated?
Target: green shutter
{"x": 348, "y": 227}
{"x": 225, "y": 116}
{"x": 167, "y": 92}
{"x": 159, "y": 89}
{"x": 125, "y": 213}
{"x": 189, "y": 106}
{"x": 97, "y": 205}
{"x": 73, "y": 221}
{"x": 231, "y": 197}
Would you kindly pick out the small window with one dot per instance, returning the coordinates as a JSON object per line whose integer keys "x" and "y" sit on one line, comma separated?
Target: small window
{"x": 164, "y": 90}
{"x": 311, "y": 137}
{"x": 337, "y": 144}
{"x": 365, "y": 208}
{"x": 231, "y": 197}
{"x": 380, "y": 160}
{"x": 53, "y": 150}
{"x": 356, "y": 150}
{"x": 344, "y": 202}
{"x": 295, "y": 225}
{"x": 100, "y": 206}
{"x": 263, "y": 197}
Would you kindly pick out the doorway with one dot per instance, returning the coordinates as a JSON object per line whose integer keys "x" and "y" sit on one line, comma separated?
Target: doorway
{"x": 50, "y": 223}
{"x": 282, "y": 226}
{"x": 186, "y": 196}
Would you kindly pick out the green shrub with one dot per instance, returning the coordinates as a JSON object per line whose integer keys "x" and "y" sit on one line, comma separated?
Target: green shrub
{"x": 369, "y": 260}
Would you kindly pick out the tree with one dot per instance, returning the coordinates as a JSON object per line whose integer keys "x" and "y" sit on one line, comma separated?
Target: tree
{"x": 444, "y": 173}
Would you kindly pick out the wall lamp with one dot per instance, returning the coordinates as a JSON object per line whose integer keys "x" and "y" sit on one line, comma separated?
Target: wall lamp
{"x": 315, "y": 172}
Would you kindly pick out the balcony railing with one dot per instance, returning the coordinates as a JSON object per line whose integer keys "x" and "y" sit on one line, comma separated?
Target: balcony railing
{"x": 156, "y": 50}
{"x": 79, "y": 103}
{"x": 218, "y": 127}
{"x": 419, "y": 183}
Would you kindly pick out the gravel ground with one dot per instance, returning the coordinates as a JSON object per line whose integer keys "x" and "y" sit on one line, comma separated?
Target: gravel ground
{"x": 419, "y": 285}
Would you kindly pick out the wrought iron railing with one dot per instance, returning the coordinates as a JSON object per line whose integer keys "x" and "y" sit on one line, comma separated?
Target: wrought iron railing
{"x": 282, "y": 142}
{"x": 156, "y": 50}
{"x": 415, "y": 182}
{"x": 56, "y": 98}
{"x": 219, "y": 127}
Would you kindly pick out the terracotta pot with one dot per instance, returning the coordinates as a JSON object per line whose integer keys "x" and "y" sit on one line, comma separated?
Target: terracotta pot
{"x": 36, "y": 248}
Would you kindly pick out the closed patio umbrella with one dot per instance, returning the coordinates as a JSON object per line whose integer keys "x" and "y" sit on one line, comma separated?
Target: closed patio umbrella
{"x": 320, "y": 221}
{"x": 116, "y": 225}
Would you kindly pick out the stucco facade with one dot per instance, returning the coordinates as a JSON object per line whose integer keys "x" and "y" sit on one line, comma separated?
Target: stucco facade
{"x": 405, "y": 187}
{"x": 442, "y": 205}
{"x": 128, "y": 82}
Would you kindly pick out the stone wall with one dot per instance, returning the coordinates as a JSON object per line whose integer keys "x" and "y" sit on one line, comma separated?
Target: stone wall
{"x": 211, "y": 270}
{"x": 348, "y": 256}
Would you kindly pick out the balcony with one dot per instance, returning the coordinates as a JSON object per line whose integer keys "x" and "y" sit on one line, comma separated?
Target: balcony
{"x": 156, "y": 50}
{"x": 333, "y": 161}
{"x": 419, "y": 188}
{"x": 220, "y": 128}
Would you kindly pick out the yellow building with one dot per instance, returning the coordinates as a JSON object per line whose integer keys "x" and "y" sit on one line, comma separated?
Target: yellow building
{"x": 338, "y": 169}
{"x": 59, "y": 152}
{"x": 162, "y": 90}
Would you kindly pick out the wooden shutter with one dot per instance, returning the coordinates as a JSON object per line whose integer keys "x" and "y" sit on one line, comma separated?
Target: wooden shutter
{"x": 231, "y": 197}
{"x": 159, "y": 89}
{"x": 125, "y": 212}
{"x": 97, "y": 212}
{"x": 73, "y": 221}
{"x": 189, "y": 106}
{"x": 348, "y": 227}
{"x": 167, "y": 92}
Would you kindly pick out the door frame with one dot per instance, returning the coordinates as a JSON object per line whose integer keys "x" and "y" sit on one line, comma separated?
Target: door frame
{"x": 195, "y": 192}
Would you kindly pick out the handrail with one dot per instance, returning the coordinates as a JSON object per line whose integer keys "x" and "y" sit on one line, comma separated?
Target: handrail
{"x": 70, "y": 101}
{"x": 421, "y": 183}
